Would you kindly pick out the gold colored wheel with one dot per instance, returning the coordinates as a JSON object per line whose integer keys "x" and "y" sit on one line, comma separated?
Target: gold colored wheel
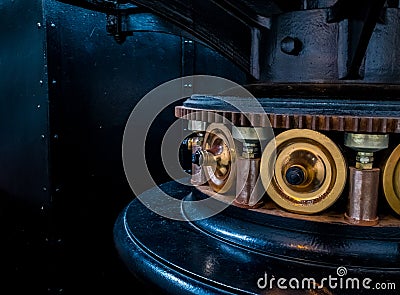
{"x": 391, "y": 180}
{"x": 218, "y": 158}
{"x": 308, "y": 174}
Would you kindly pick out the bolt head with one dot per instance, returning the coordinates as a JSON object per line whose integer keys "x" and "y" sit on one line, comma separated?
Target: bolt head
{"x": 295, "y": 175}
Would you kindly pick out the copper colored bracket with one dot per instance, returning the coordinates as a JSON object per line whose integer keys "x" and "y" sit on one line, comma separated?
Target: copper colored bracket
{"x": 249, "y": 189}
{"x": 363, "y": 196}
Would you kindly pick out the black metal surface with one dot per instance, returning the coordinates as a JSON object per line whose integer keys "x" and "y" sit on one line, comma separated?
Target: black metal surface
{"x": 336, "y": 40}
{"x": 335, "y": 36}
{"x": 361, "y": 18}
{"x": 228, "y": 252}
{"x": 67, "y": 89}
{"x": 388, "y": 109}
{"x": 24, "y": 104}
{"x": 63, "y": 76}
{"x": 218, "y": 27}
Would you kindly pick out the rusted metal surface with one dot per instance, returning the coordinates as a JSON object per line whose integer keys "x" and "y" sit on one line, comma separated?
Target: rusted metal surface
{"x": 292, "y": 121}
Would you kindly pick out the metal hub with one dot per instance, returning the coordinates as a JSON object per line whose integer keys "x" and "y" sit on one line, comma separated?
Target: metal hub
{"x": 295, "y": 175}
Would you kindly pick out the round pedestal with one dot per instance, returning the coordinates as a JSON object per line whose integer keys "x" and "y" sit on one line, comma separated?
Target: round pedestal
{"x": 242, "y": 251}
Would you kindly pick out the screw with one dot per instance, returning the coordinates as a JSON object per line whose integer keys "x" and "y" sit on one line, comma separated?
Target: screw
{"x": 364, "y": 160}
{"x": 366, "y": 145}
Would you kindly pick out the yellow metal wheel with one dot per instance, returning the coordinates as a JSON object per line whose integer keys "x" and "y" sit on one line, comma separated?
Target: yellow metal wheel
{"x": 220, "y": 165}
{"x": 391, "y": 180}
{"x": 308, "y": 174}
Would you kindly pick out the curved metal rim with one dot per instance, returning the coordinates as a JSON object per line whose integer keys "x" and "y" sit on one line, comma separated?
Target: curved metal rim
{"x": 391, "y": 194}
{"x": 228, "y": 139}
{"x": 339, "y": 179}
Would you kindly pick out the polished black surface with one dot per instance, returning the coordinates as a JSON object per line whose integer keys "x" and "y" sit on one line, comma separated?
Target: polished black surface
{"x": 230, "y": 251}
{"x": 65, "y": 77}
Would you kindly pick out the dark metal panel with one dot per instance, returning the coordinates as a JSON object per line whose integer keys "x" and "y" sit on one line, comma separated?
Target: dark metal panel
{"x": 210, "y": 62}
{"x": 97, "y": 83}
{"x": 212, "y": 24}
{"x": 317, "y": 59}
{"x": 80, "y": 107}
{"x": 23, "y": 103}
{"x": 382, "y": 61}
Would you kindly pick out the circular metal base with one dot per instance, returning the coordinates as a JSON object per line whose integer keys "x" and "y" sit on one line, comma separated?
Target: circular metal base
{"x": 231, "y": 252}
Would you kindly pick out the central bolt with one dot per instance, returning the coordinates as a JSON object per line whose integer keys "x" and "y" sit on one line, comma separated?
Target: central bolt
{"x": 295, "y": 175}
